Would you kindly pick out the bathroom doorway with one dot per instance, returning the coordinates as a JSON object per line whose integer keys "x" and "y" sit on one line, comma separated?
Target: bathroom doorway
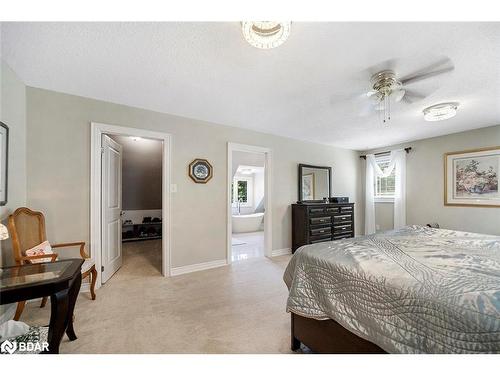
{"x": 249, "y": 213}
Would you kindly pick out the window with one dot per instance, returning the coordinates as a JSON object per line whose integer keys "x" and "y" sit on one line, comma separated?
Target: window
{"x": 385, "y": 187}
{"x": 242, "y": 191}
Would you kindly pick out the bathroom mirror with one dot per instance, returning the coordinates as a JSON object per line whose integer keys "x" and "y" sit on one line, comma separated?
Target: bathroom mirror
{"x": 315, "y": 183}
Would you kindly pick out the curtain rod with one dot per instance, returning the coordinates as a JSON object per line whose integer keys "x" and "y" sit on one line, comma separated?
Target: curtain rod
{"x": 407, "y": 149}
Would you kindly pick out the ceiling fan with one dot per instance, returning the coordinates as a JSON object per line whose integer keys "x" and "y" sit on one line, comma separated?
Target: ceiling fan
{"x": 387, "y": 87}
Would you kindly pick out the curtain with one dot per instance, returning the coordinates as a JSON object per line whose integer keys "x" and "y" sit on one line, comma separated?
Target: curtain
{"x": 370, "y": 195}
{"x": 398, "y": 161}
{"x": 400, "y": 189}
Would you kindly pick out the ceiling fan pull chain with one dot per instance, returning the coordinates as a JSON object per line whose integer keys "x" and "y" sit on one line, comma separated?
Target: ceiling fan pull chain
{"x": 389, "y": 109}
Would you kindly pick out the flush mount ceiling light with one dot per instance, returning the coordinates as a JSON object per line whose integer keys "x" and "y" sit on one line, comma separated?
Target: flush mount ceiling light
{"x": 266, "y": 34}
{"x": 440, "y": 111}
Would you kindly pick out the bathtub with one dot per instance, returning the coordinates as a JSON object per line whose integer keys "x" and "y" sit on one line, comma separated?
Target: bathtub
{"x": 247, "y": 223}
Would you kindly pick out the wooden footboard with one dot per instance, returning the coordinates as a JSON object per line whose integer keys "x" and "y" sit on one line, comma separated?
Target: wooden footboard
{"x": 327, "y": 336}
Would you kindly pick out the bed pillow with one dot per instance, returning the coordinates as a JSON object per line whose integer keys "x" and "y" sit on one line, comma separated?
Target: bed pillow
{"x": 41, "y": 249}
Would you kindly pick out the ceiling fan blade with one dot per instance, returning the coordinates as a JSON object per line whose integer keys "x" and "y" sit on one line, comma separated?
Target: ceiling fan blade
{"x": 366, "y": 110}
{"x": 440, "y": 67}
{"x": 384, "y": 65}
{"x": 399, "y": 95}
{"x": 415, "y": 94}
{"x": 412, "y": 96}
{"x": 426, "y": 76}
{"x": 407, "y": 100}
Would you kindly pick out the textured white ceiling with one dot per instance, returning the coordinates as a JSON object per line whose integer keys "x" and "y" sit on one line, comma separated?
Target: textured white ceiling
{"x": 307, "y": 89}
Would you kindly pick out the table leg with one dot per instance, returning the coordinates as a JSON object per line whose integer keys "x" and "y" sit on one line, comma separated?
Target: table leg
{"x": 73, "y": 295}
{"x": 58, "y": 319}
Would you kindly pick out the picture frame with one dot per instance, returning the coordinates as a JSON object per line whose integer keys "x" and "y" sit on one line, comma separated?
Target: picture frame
{"x": 471, "y": 177}
{"x": 308, "y": 187}
{"x": 4, "y": 162}
{"x": 200, "y": 171}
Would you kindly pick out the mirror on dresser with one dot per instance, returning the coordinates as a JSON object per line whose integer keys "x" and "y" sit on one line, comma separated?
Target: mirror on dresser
{"x": 315, "y": 183}
{"x": 315, "y": 219}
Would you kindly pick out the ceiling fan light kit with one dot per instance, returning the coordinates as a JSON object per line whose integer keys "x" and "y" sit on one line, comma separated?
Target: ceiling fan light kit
{"x": 441, "y": 111}
{"x": 388, "y": 88}
{"x": 385, "y": 85}
{"x": 266, "y": 34}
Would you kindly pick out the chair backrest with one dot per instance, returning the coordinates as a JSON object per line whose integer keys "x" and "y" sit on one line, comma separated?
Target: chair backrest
{"x": 27, "y": 229}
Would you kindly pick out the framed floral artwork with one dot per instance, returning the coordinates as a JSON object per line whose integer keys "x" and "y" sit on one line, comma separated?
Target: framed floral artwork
{"x": 308, "y": 192}
{"x": 472, "y": 177}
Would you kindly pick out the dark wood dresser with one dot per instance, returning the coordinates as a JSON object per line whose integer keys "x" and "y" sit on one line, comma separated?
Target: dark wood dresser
{"x": 321, "y": 222}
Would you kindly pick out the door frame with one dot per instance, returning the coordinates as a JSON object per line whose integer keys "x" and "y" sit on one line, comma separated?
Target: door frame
{"x": 268, "y": 157}
{"x": 97, "y": 130}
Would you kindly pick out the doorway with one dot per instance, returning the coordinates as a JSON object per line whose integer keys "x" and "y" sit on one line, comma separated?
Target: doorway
{"x": 110, "y": 223}
{"x": 249, "y": 202}
{"x": 140, "y": 214}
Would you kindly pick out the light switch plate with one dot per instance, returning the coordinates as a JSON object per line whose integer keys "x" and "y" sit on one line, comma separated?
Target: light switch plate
{"x": 173, "y": 188}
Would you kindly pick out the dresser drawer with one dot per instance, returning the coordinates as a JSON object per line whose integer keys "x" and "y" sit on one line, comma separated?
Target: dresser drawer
{"x": 332, "y": 210}
{"x": 342, "y": 218}
{"x": 320, "y": 220}
{"x": 342, "y": 228}
{"x": 315, "y": 211}
{"x": 345, "y": 209}
{"x": 320, "y": 231}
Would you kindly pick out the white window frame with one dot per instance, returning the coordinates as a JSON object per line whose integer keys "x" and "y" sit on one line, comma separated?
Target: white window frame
{"x": 249, "y": 181}
{"x": 382, "y": 198}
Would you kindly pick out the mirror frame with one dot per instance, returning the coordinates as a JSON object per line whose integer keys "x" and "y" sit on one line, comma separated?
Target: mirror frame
{"x": 329, "y": 169}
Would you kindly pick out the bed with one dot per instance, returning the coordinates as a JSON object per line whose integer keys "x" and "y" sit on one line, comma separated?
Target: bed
{"x": 412, "y": 290}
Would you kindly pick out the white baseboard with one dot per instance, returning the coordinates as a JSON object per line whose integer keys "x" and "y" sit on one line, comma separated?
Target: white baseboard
{"x": 278, "y": 252}
{"x": 175, "y": 271}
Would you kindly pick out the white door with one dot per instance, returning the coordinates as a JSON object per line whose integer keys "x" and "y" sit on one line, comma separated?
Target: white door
{"x": 111, "y": 201}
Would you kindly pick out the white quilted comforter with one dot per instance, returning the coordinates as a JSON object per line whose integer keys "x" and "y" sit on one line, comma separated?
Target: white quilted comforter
{"x": 414, "y": 290}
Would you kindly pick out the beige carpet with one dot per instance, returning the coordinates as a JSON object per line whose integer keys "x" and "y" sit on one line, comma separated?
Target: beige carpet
{"x": 233, "y": 309}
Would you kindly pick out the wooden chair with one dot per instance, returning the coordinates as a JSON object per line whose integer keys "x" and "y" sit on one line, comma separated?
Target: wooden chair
{"x": 27, "y": 230}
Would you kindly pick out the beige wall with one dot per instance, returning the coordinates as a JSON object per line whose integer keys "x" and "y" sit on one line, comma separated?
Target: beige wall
{"x": 141, "y": 173}
{"x": 59, "y": 171}
{"x": 425, "y": 185}
{"x": 13, "y": 114}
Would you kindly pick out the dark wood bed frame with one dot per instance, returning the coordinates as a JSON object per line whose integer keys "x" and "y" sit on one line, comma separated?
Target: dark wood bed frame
{"x": 328, "y": 336}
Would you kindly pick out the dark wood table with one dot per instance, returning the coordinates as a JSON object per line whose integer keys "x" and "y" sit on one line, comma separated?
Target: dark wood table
{"x": 60, "y": 280}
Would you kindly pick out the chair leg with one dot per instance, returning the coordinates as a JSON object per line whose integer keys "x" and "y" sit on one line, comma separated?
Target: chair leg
{"x": 44, "y": 302}
{"x": 93, "y": 277}
{"x": 19, "y": 309}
